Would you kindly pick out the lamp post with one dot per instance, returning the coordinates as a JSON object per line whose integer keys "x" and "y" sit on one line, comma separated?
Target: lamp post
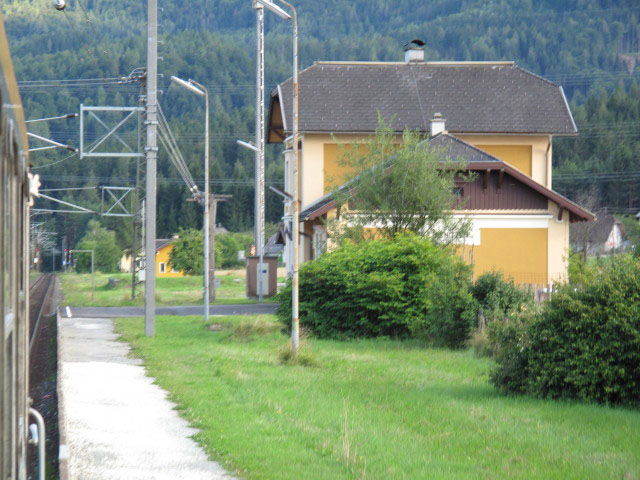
{"x": 259, "y": 154}
{"x": 259, "y": 207}
{"x": 295, "y": 320}
{"x": 201, "y": 90}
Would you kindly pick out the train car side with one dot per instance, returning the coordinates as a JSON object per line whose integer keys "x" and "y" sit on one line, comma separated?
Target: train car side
{"x": 14, "y": 261}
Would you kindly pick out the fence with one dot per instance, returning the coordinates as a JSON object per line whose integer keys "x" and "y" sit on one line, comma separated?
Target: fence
{"x": 541, "y": 293}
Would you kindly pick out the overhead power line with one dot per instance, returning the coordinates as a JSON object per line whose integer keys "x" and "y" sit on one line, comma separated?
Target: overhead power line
{"x": 170, "y": 144}
{"x": 168, "y": 180}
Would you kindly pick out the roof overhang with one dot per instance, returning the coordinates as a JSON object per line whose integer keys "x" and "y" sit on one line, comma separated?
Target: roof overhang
{"x": 576, "y": 212}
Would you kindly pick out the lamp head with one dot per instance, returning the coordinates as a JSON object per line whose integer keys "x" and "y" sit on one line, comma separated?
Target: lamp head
{"x": 274, "y": 8}
{"x": 188, "y": 85}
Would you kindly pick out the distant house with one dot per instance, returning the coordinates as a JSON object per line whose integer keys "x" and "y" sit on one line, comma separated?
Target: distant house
{"x": 125, "y": 264}
{"x": 603, "y": 236}
{"x": 497, "y": 118}
{"x": 163, "y": 251}
{"x": 163, "y": 270}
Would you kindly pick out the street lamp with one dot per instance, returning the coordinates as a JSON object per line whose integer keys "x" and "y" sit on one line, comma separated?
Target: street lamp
{"x": 295, "y": 320}
{"x": 202, "y": 91}
{"x": 248, "y": 145}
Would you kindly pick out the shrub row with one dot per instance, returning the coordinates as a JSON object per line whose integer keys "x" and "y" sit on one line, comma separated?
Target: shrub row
{"x": 584, "y": 344}
{"x": 400, "y": 288}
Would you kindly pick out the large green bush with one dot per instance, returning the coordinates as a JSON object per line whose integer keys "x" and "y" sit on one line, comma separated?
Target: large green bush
{"x": 103, "y": 243}
{"x": 400, "y": 287}
{"x": 585, "y": 344}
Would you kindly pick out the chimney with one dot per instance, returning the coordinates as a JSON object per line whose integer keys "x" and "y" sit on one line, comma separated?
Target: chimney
{"x": 414, "y": 51}
{"x": 437, "y": 124}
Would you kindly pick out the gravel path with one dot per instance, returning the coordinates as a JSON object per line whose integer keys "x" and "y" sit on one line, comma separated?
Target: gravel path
{"x": 116, "y": 424}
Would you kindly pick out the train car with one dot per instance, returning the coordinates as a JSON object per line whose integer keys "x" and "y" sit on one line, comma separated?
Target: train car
{"x": 14, "y": 278}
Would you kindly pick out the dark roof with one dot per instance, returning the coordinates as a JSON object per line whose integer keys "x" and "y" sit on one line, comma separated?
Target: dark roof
{"x": 161, "y": 242}
{"x": 472, "y": 97}
{"x": 460, "y": 151}
{"x": 597, "y": 232}
{"x": 275, "y": 244}
{"x": 474, "y": 159}
{"x": 319, "y": 207}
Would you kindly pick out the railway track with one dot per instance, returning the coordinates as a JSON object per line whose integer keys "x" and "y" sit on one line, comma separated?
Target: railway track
{"x": 39, "y": 303}
{"x": 43, "y": 368}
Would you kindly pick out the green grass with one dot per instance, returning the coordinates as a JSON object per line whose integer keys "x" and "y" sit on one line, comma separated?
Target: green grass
{"x": 78, "y": 291}
{"x": 375, "y": 409}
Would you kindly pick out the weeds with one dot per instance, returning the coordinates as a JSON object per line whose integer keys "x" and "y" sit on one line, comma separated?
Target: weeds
{"x": 304, "y": 357}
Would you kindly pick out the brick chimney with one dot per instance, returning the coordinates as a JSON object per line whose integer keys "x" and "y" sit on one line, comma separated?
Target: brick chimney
{"x": 414, "y": 51}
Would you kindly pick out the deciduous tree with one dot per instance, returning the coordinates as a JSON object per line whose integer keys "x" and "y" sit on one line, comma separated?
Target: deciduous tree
{"x": 397, "y": 188}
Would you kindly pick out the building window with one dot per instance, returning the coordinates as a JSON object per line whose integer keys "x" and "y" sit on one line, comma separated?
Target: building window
{"x": 173, "y": 270}
{"x": 319, "y": 242}
{"x": 162, "y": 267}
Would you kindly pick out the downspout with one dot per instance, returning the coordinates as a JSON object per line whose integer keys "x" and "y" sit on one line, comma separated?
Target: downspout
{"x": 549, "y": 166}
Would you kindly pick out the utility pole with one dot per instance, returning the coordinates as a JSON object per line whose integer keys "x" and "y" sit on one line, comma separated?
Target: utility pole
{"x": 260, "y": 143}
{"x": 213, "y": 212}
{"x": 137, "y": 204}
{"x": 151, "y": 153}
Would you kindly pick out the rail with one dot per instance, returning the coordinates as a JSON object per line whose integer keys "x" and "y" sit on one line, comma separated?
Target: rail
{"x": 50, "y": 279}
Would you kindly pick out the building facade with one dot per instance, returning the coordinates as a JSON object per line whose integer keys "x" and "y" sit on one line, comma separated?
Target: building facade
{"x": 495, "y": 117}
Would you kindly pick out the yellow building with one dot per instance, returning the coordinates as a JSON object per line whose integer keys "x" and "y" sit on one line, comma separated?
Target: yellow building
{"x": 163, "y": 251}
{"x": 494, "y": 116}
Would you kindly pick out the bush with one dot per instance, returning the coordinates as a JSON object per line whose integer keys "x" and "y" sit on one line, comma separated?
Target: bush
{"x": 585, "y": 344}
{"x": 450, "y": 310}
{"x": 400, "y": 287}
{"x": 103, "y": 243}
{"x": 227, "y": 247}
{"x": 499, "y": 298}
{"x": 581, "y": 272}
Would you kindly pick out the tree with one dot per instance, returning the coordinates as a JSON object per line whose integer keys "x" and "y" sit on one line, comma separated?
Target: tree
{"x": 581, "y": 232}
{"x": 187, "y": 252}
{"x": 103, "y": 243}
{"x": 393, "y": 189}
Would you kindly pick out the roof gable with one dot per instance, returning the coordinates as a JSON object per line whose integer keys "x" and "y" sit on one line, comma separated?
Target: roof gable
{"x": 472, "y": 97}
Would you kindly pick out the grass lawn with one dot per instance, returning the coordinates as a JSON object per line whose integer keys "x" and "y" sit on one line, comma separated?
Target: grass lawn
{"x": 374, "y": 409}
{"x": 169, "y": 291}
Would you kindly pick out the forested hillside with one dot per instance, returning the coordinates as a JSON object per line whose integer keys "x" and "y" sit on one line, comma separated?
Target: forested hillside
{"x": 604, "y": 161}
{"x": 577, "y": 43}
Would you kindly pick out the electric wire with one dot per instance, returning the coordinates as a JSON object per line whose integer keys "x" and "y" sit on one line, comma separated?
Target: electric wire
{"x": 174, "y": 151}
{"x": 170, "y": 144}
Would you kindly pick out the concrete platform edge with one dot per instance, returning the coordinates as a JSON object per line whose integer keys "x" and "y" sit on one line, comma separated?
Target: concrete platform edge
{"x": 63, "y": 453}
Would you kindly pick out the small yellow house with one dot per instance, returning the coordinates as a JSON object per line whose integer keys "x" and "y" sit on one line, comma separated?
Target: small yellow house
{"x": 163, "y": 251}
{"x": 495, "y": 116}
{"x": 163, "y": 269}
